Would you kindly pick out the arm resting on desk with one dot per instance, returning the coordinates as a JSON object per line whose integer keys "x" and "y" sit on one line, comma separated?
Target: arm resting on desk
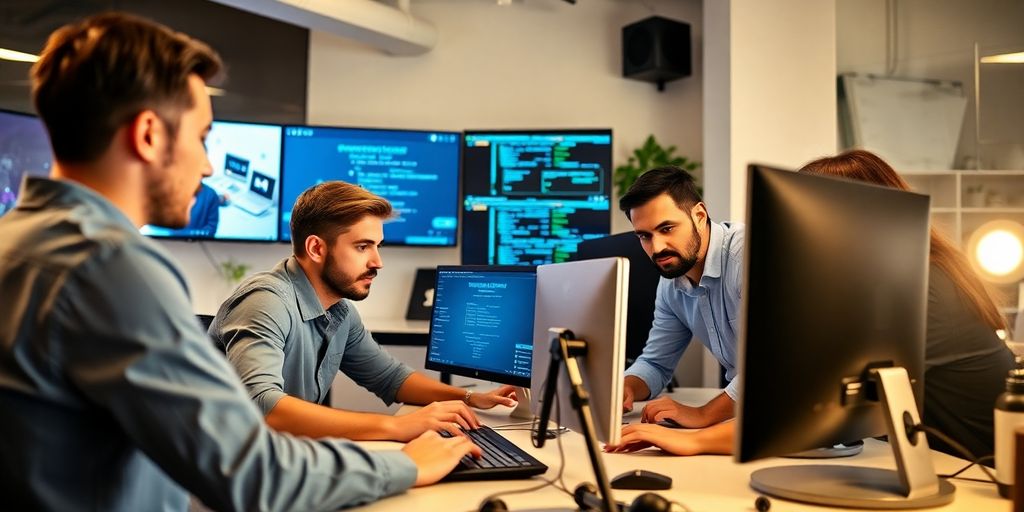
{"x": 418, "y": 389}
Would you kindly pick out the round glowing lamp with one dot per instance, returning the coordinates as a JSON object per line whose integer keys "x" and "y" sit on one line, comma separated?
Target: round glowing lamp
{"x": 996, "y": 251}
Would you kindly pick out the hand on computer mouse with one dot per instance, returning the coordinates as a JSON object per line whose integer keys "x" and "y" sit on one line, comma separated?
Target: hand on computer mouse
{"x": 505, "y": 395}
{"x": 666, "y": 408}
{"x": 436, "y": 456}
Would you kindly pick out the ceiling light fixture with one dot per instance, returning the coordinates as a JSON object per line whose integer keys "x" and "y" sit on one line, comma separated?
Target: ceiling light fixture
{"x": 1004, "y": 58}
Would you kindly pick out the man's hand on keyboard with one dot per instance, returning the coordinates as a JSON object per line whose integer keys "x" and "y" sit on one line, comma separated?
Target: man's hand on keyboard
{"x": 665, "y": 408}
{"x": 448, "y": 415}
{"x": 505, "y": 395}
{"x": 436, "y": 456}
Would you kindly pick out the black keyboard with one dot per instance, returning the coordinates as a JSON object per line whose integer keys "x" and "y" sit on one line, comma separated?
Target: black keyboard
{"x": 501, "y": 459}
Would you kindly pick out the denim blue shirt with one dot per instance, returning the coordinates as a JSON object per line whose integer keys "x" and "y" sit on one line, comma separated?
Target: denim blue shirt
{"x": 282, "y": 341}
{"x": 113, "y": 398}
{"x": 709, "y": 312}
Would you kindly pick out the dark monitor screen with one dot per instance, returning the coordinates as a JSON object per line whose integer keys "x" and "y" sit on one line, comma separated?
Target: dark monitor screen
{"x": 531, "y": 196}
{"x": 836, "y": 281}
{"x": 238, "y": 201}
{"x": 643, "y": 284}
{"x": 24, "y": 149}
{"x": 482, "y": 323}
{"x": 417, "y": 171}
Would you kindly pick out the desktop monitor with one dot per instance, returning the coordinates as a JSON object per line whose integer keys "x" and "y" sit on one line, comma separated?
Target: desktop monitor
{"x": 589, "y": 298}
{"x": 417, "y": 171}
{"x": 531, "y": 196}
{"x": 643, "y": 284}
{"x": 24, "y": 149}
{"x": 239, "y": 200}
{"x": 482, "y": 323}
{"x": 834, "y": 311}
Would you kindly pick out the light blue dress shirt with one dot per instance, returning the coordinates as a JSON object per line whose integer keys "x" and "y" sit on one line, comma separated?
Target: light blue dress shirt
{"x": 113, "y": 398}
{"x": 709, "y": 312}
{"x": 282, "y": 341}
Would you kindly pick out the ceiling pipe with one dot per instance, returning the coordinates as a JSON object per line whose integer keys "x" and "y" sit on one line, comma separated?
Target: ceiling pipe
{"x": 393, "y": 30}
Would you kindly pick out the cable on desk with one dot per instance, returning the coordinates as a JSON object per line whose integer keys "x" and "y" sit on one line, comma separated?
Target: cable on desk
{"x": 921, "y": 427}
{"x": 956, "y": 474}
{"x": 557, "y": 482}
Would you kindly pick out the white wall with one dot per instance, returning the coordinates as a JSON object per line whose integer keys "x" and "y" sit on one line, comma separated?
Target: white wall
{"x": 771, "y": 95}
{"x": 935, "y": 39}
{"x": 533, "y": 64}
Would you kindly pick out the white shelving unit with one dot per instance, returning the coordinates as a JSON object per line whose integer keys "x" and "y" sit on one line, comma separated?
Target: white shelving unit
{"x": 964, "y": 200}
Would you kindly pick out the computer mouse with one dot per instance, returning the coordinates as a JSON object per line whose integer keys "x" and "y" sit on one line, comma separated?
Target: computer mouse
{"x": 669, "y": 422}
{"x": 641, "y": 479}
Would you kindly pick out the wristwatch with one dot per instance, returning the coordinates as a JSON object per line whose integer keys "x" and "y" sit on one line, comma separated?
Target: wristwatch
{"x": 466, "y": 398}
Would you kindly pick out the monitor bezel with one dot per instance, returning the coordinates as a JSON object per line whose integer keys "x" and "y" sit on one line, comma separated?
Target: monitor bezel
{"x": 458, "y": 177}
{"x": 471, "y": 372}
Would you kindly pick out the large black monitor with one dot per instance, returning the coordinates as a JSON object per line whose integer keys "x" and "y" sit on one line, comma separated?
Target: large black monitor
{"x": 417, "y": 171}
{"x": 531, "y": 196}
{"x": 643, "y": 284}
{"x": 24, "y": 149}
{"x": 481, "y": 325}
{"x": 832, "y": 337}
{"x": 239, "y": 201}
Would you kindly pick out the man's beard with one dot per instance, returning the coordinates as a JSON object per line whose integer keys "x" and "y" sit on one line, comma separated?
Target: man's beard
{"x": 340, "y": 284}
{"x": 161, "y": 207}
{"x": 684, "y": 264}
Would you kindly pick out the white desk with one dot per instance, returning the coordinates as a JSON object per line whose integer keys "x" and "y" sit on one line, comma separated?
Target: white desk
{"x": 703, "y": 483}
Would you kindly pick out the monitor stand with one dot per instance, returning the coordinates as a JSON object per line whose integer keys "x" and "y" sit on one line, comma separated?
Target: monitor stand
{"x": 914, "y": 484}
{"x": 522, "y": 410}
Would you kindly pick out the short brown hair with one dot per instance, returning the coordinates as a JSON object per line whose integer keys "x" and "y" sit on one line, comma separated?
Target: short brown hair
{"x": 97, "y": 74}
{"x": 328, "y": 209}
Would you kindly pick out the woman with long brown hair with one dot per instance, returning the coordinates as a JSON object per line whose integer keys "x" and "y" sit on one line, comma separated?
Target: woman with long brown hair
{"x": 965, "y": 361}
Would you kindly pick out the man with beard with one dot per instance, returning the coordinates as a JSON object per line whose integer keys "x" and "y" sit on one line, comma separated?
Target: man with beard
{"x": 290, "y": 330}
{"x": 112, "y": 398}
{"x": 698, "y": 296}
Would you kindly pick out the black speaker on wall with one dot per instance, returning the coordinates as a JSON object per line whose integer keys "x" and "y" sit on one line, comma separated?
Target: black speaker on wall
{"x": 656, "y": 50}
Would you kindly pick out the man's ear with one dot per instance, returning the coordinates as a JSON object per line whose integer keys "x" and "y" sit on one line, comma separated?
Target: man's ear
{"x": 147, "y": 136}
{"x": 316, "y": 249}
{"x": 699, "y": 214}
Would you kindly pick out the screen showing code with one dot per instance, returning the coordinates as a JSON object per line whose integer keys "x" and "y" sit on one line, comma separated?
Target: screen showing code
{"x": 483, "y": 320}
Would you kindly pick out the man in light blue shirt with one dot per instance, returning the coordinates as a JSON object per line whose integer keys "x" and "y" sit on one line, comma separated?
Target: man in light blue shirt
{"x": 698, "y": 295}
{"x": 290, "y": 330}
{"x": 111, "y": 396}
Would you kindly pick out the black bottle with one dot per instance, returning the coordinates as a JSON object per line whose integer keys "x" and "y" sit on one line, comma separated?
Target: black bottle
{"x": 1009, "y": 416}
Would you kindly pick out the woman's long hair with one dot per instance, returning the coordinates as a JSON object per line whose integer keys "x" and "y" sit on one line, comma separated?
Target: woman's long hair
{"x": 865, "y": 166}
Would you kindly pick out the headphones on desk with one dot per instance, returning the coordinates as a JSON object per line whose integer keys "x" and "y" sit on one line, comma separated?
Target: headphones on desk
{"x": 586, "y": 499}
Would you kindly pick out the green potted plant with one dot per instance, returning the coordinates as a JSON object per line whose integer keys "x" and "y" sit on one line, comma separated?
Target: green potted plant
{"x": 233, "y": 271}
{"x": 646, "y": 157}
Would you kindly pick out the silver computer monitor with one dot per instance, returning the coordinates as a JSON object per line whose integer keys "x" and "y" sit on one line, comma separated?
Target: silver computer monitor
{"x": 589, "y": 298}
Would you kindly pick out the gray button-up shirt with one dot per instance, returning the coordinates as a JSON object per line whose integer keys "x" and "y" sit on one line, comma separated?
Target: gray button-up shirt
{"x": 709, "y": 311}
{"x": 112, "y": 397}
{"x": 282, "y": 341}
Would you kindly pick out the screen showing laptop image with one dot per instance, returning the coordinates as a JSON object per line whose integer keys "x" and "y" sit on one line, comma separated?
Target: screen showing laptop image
{"x": 238, "y": 201}
{"x": 832, "y": 345}
{"x": 482, "y": 327}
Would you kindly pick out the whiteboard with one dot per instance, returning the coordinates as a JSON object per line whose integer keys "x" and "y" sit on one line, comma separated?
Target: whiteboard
{"x": 913, "y": 124}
